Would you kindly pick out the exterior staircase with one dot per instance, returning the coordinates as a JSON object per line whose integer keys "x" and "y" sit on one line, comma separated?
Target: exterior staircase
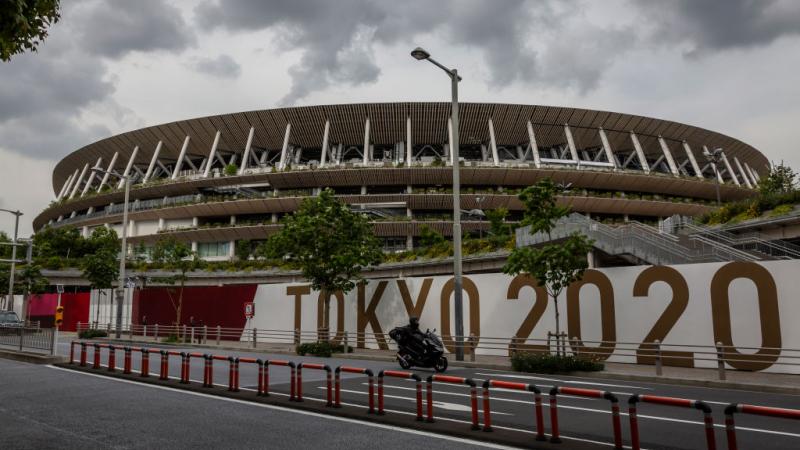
{"x": 643, "y": 243}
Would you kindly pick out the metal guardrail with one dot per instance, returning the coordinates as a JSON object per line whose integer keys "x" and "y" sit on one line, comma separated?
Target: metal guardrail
{"x": 28, "y": 338}
{"x": 657, "y": 354}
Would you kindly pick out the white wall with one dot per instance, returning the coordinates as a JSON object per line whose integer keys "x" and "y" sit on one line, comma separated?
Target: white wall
{"x": 633, "y": 316}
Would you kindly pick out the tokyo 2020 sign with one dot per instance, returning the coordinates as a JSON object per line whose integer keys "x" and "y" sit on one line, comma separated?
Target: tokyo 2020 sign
{"x": 751, "y": 308}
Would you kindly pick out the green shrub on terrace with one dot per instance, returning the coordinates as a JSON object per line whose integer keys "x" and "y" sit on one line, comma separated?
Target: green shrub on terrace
{"x": 92, "y": 333}
{"x": 322, "y": 348}
{"x": 781, "y": 210}
{"x": 547, "y": 363}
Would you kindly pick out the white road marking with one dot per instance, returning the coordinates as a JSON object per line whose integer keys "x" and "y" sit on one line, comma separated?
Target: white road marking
{"x": 437, "y": 404}
{"x": 556, "y": 380}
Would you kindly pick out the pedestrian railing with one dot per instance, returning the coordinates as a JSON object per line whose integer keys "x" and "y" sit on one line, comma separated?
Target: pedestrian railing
{"x": 720, "y": 356}
{"x": 28, "y": 338}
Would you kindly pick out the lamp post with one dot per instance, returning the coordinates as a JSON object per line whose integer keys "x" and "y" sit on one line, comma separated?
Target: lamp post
{"x": 121, "y": 287}
{"x": 10, "y": 300}
{"x": 713, "y": 158}
{"x": 420, "y": 54}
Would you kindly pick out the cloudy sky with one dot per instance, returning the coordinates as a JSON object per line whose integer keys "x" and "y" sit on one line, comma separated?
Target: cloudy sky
{"x": 114, "y": 65}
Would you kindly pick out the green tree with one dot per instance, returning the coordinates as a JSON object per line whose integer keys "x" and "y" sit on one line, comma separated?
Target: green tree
{"x": 29, "y": 280}
{"x": 5, "y": 249}
{"x": 178, "y": 257}
{"x": 328, "y": 243}
{"x": 499, "y": 230}
{"x": 101, "y": 265}
{"x": 554, "y": 265}
{"x": 62, "y": 242}
{"x": 24, "y": 24}
{"x": 780, "y": 180}
{"x": 244, "y": 249}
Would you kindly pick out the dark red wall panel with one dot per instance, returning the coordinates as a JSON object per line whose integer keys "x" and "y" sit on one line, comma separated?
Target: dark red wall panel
{"x": 209, "y": 305}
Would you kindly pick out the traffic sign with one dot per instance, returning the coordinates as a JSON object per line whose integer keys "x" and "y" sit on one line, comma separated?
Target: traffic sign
{"x": 249, "y": 310}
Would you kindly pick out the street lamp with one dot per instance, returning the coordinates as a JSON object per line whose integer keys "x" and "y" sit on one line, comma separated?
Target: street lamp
{"x": 481, "y": 214}
{"x": 121, "y": 287}
{"x": 10, "y": 300}
{"x": 713, "y": 158}
{"x": 420, "y": 54}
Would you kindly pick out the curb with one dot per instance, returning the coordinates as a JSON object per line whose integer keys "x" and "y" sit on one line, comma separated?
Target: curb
{"x": 507, "y": 367}
{"x": 33, "y": 358}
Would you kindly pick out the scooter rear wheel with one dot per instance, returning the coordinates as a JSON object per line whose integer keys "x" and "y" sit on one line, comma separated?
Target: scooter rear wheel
{"x": 441, "y": 365}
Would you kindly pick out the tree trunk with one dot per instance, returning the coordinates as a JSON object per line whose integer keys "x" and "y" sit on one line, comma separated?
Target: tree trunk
{"x": 323, "y": 333}
{"x": 180, "y": 307}
{"x": 558, "y": 328}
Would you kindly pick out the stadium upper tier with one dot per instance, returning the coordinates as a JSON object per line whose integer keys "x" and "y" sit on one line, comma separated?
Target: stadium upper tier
{"x": 258, "y": 165}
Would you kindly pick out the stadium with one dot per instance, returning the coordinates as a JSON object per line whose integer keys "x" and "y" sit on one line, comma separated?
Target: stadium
{"x": 213, "y": 181}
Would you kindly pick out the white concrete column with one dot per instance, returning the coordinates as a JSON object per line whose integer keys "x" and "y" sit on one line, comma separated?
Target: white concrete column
{"x": 607, "y": 147}
{"x": 367, "y": 155}
{"x": 247, "y": 146}
{"x": 409, "y": 149}
{"x": 161, "y": 222}
{"x": 68, "y": 185}
{"x": 534, "y": 146}
{"x": 285, "y": 147}
{"x": 181, "y": 157}
{"x": 63, "y": 187}
{"x": 742, "y": 173}
{"x": 493, "y": 144}
{"x": 152, "y": 165}
{"x": 640, "y": 153}
{"x": 450, "y": 137}
{"x": 131, "y": 228}
{"x": 324, "y": 157}
{"x": 211, "y": 155}
{"x": 728, "y": 166}
{"x": 753, "y": 175}
{"x": 80, "y": 178}
{"x": 194, "y": 246}
{"x": 128, "y": 167}
{"x": 92, "y": 174}
{"x": 692, "y": 159}
{"x": 571, "y": 143}
{"x": 668, "y": 155}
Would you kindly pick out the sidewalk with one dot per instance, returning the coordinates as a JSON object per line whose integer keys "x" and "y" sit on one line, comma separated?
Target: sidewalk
{"x": 752, "y": 381}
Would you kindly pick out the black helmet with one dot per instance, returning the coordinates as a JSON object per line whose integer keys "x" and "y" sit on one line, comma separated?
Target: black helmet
{"x": 413, "y": 322}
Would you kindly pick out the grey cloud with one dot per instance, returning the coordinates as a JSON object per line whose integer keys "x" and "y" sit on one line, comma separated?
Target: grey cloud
{"x": 722, "y": 24}
{"x": 113, "y": 28}
{"x": 337, "y": 37}
{"x": 42, "y": 96}
{"x": 223, "y": 66}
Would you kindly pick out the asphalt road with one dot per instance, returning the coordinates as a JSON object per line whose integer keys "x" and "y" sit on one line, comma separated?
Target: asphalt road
{"x": 43, "y": 407}
{"x": 580, "y": 418}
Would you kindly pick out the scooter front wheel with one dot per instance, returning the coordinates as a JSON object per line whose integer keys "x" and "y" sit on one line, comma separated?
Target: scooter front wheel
{"x": 441, "y": 364}
{"x": 403, "y": 363}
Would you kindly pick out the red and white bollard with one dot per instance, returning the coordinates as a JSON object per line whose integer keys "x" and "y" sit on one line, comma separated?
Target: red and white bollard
{"x": 96, "y": 357}
{"x": 164, "y": 373}
{"x": 83, "y": 354}
{"x": 145, "y": 362}
{"x": 233, "y": 374}
{"x": 126, "y": 368}
{"x": 112, "y": 358}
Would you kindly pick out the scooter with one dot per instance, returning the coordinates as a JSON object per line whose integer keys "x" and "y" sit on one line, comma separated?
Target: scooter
{"x": 418, "y": 349}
